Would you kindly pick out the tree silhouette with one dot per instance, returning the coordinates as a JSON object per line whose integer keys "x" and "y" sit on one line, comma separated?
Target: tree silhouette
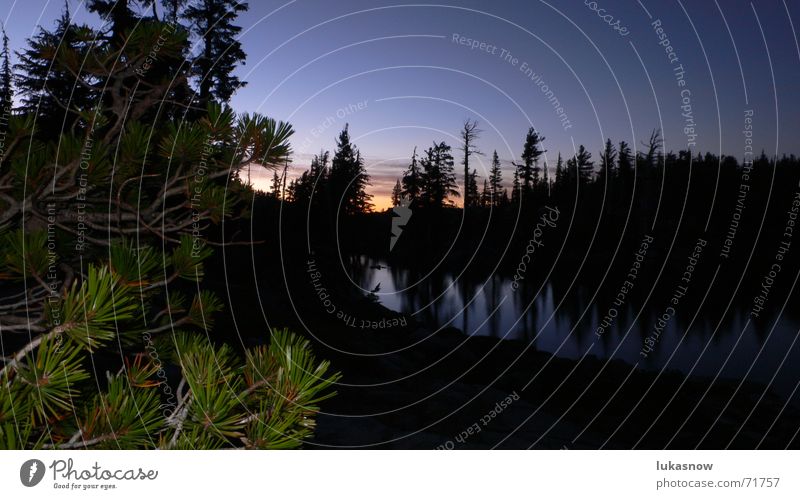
{"x": 212, "y": 22}
{"x": 469, "y": 134}
{"x": 277, "y": 185}
{"x": 653, "y": 147}
{"x": 412, "y": 180}
{"x": 438, "y": 178}
{"x": 608, "y": 163}
{"x": 546, "y": 179}
{"x": 486, "y": 195}
{"x": 495, "y": 180}
{"x": 528, "y": 170}
{"x": 6, "y": 85}
{"x": 624, "y": 161}
{"x": 47, "y": 89}
{"x": 348, "y": 178}
{"x": 561, "y": 175}
{"x": 397, "y": 193}
{"x": 516, "y": 189}
{"x": 172, "y": 9}
{"x": 581, "y": 165}
{"x": 122, "y": 17}
{"x": 312, "y": 185}
{"x": 472, "y": 189}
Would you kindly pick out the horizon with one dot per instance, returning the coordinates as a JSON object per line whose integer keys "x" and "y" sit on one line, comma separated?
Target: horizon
{"x": 402, "y": 79}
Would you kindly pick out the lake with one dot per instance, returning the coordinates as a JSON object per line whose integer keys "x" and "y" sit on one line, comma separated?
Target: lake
{"x": 567, "y": 328}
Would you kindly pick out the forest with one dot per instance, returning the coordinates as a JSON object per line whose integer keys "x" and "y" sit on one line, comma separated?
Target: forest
{"x": 125, "y": 208}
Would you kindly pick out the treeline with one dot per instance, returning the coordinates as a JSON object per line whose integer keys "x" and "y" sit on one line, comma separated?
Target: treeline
{"x": 618, "y": 193}
{"x": 431, "y": 181}
{"x": 339, "y": 184}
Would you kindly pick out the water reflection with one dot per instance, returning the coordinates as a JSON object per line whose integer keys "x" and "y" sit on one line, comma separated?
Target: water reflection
{"x": 553, "y": 319}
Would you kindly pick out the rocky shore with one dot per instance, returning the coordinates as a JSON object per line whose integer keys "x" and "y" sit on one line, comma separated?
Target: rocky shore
{"x": 450, "y": 391}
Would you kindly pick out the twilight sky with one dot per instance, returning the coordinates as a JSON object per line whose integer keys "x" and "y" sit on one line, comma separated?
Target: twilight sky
{"x": 404, "y": 75}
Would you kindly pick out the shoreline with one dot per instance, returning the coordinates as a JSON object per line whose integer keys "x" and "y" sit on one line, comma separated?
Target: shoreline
{"x": 436, "y": 389}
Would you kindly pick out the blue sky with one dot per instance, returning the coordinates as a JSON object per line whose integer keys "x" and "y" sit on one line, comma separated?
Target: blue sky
{"x": 395, "y": 72}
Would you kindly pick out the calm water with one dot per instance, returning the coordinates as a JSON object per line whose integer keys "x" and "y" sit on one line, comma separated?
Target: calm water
{"x": 567, "y": 329}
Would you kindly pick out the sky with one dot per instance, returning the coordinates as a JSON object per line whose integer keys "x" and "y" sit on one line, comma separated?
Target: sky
{"x": 407, "y": 74}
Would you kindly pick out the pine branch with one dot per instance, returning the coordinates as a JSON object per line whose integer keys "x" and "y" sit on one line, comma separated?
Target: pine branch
{"x": 74, "y": 444}
{"x": 31, "y": 346}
